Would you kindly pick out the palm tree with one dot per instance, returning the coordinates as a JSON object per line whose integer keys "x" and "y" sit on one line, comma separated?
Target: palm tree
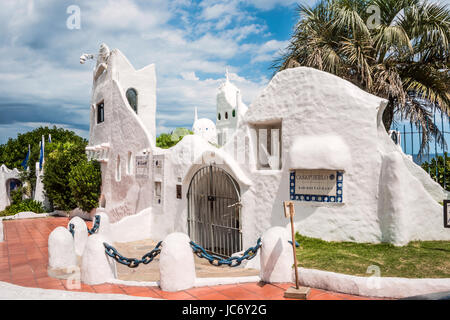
{"x": 396, "y": 49}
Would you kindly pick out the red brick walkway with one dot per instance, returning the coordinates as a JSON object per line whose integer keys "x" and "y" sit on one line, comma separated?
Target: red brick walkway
{"x": 24, "y": 258}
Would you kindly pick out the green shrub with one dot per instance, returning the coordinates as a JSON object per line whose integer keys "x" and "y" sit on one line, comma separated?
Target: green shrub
{"x": 85, "y": 180}
{"x": 57, "y": 167}
{"x": 17, "y": 195}
{"x": 24, "y": 205}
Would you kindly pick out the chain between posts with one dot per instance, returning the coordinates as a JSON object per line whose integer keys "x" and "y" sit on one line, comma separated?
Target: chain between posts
{"x": 72, "y": 229}
{"x": 296, "y": 243}
{"x": 92, "y": 231}
{"x": 217, "y": 261}
{"x": 132, "y": 262}
{"x": 95, "y": 226}
{"x": 214, "y": 260}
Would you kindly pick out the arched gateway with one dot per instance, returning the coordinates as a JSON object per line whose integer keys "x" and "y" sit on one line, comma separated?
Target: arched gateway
{"x": 214, "y": 211}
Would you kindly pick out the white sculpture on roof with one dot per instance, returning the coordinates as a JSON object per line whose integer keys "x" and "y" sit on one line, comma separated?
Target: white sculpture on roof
{"x": 205, "y": 128}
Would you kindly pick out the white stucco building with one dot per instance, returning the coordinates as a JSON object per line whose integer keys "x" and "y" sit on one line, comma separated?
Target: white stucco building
{"x": 310, "y": 137}
{"x": 122, "y": 131}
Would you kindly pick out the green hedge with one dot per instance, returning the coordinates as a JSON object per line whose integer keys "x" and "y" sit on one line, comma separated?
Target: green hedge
{"x": 24, "y": 205}
{"x": 85, "y": 180}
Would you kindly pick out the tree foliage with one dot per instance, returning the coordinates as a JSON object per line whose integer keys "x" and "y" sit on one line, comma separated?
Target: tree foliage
{"x": 69, "y": 179}
{"x": 443, "y": 170}
{"x": 57, "y": 167}
{"x": 168, "y": 140}
{"x": 85, "y": 180}
{"x": 403, "y": 57}
{"x": 15, "y": 150}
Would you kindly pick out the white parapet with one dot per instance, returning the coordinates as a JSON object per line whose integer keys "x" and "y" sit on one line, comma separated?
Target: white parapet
{"x": 276, "y": 256}
{"x": 176, "y": 264}
{"x": 373, "y": 286}
{"x": 80, "y": 236}
{"x": 61, "y": 251}
{"x": 96, "y": 266}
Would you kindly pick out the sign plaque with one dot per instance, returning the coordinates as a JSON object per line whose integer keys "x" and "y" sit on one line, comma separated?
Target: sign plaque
{"x": 142, "y": 167}
{"x": 316, "y": 185}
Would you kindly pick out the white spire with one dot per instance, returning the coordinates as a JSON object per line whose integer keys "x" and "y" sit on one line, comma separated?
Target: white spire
{"x": 227, "y": 76}
{"x": 195, "y": 114}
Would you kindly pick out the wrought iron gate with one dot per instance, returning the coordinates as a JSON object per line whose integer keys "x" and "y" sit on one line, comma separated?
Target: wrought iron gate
{"x": 214, "y": 211}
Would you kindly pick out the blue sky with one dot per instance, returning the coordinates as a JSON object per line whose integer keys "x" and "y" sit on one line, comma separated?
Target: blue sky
{"x": 191, "y": 43}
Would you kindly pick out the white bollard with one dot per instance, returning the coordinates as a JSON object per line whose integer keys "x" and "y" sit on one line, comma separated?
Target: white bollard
{"x": 105, "y": 226}
{"x": 96, "y": 266}
{"x": 61, "y": 250}
{"x": 276, "y": 256}
{"x": 80, "y": 234}
{"x": 176, "y": 263}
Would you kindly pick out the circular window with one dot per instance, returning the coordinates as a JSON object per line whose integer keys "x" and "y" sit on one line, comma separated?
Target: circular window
{"x": 234, "y": 113}
{"x": 226, "y": 115}
{"x": 218, "y": 116}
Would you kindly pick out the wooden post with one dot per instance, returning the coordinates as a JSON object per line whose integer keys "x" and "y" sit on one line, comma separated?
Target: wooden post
{"x": 292, "y": 213}
{"x": 297, "y": 292}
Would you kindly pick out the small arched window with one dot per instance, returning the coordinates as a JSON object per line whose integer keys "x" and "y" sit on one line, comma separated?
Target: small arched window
{"x": 234, "y": 113}
{"x": 132, "y": 99}
{"x": 100, "y": 112}
{"x": 130, "y": 163}
{"x": 219, "y": 117}
{"x": 118, "y": 169}
{"x": 226, "y": 115}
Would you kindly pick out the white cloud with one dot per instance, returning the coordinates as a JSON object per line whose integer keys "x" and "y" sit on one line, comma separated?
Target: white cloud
{"x": 219, "y": 10}
{"x": 189, "y": 76}
{"x": 191, "y": 49}
{"x": 271, "y": 4}
{"x": 126, "y": 14}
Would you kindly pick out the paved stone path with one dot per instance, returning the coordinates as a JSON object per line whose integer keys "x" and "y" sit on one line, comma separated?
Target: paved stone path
{"x": 24, "y": 260}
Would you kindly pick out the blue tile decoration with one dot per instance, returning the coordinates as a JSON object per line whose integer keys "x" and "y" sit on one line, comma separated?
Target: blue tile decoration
{"x": 338, "y": 198}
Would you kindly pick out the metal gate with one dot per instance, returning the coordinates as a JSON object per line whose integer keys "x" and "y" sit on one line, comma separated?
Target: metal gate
{"x": 214, "y": 211}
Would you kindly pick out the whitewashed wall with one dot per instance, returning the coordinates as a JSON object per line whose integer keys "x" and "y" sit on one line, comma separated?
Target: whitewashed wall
{"x": 314, "y": 106}
{"x": 327, "y": 123}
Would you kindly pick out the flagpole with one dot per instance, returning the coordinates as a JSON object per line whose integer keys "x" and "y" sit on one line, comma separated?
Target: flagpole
{"x": 29, "y": 154}
{"x": 43, "y": 150}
